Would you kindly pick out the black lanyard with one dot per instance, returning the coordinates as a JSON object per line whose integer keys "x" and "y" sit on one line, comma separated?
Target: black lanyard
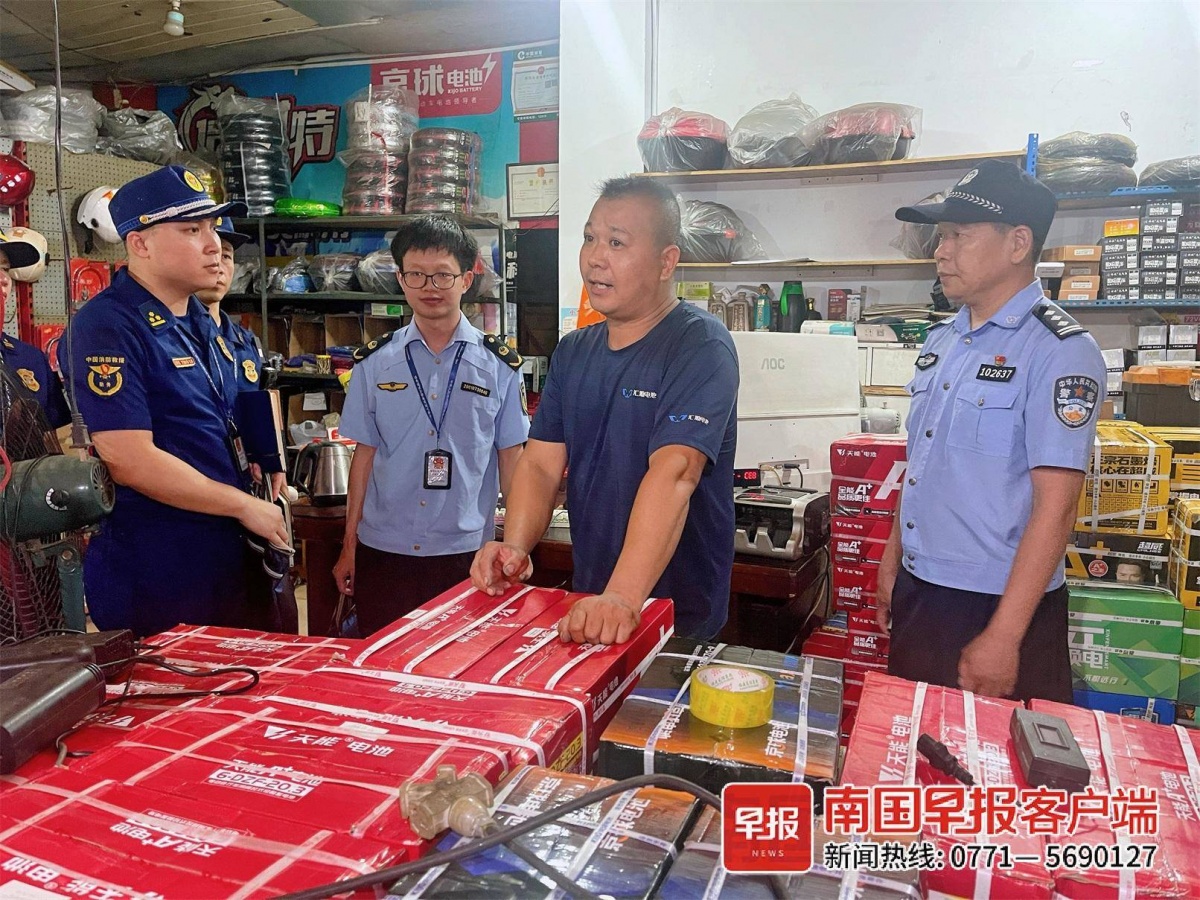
{"x": 449, "y": 392}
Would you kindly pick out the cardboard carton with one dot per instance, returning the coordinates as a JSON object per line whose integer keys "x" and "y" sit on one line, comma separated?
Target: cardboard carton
{"x": 1149, "y": 709}
{"x": 1128, "y": 482}
{"x": 1118, "y": 558}
{"x": 1072, "y": 253}
{"x": 1184, "y": 567}
{"x": 1125, "y": 640}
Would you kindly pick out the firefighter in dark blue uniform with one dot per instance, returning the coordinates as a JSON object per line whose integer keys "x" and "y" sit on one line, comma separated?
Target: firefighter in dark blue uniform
{"x": 27, "y": 362}
{"x": 152, "y": 386}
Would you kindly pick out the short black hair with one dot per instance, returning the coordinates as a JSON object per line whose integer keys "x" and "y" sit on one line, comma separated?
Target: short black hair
{"x": 436, "y": 233}
{"x": 657, "y": 193}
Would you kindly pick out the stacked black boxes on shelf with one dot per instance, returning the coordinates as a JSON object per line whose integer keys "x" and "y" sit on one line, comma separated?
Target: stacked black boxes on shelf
{"x": 253, "y": 154}
{"x": 1155, "y": 257}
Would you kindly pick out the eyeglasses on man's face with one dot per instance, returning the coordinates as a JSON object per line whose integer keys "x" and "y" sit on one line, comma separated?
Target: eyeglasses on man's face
{"x": 441, "y": 280}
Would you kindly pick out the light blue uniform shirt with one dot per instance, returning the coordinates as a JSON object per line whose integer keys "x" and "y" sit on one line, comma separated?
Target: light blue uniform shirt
{"x": 990, "y": 404}
{"x": 383, "y": 410}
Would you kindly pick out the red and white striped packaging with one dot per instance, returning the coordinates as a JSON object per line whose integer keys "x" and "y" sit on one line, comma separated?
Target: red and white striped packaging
{"x": 892, "y": 714}
{"x": 108, "y": 841}
{"x": 1124, "y": 752}
{"x": 868, "y": 471}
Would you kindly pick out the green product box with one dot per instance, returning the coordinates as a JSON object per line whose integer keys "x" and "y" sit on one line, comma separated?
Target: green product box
{"x": 1189, "y": 659}
{"x": 911, "y": 332}
{"x": 1125, "y": 640}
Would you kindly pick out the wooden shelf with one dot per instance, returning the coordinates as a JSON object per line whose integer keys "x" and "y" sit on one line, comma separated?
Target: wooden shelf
{"x": 1122, "y": 198}
{"x": 889, "y": 167}
{"x": 1187, "y": 303}
{"x": 382, "y": 223}
{"x": 814, "y": 264}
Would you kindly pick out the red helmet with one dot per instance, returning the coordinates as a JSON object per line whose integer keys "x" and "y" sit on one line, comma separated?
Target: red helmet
{"x": 16, "y": 180}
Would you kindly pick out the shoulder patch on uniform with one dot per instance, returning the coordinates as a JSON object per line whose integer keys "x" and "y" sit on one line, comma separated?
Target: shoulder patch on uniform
{"x": 926, "y": 360}
{"x": 507, "y": 354}
{"x": 371, "y": 346}
{"x": 1075, "y": 398}
{"x": 1061, "y": 324}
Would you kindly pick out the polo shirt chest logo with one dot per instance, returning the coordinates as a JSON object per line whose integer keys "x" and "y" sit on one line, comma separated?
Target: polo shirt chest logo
{"x": 392, "y": 385}
{"x": 476, "y": 389}
{"x": 1075, "y": 400}
{"x": 104, "y": 374}
{"x": 637, "y": 393}
{"x": 1003, "y": 374}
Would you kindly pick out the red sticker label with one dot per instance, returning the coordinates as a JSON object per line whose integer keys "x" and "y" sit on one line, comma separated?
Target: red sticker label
{"x": 767, "y": 827}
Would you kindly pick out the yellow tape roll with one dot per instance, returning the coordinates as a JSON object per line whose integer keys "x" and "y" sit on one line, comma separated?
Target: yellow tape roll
{"x": 732, "y": 697}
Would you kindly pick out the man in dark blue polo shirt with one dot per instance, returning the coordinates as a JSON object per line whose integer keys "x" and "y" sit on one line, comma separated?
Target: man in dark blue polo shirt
{"x": 642, "y": 407}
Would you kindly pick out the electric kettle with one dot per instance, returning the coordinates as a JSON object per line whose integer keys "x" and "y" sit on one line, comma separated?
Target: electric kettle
{"x": 323, "y": 472}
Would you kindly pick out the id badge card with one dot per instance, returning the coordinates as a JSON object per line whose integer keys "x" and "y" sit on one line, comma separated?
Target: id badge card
{"x": 438, "y": 470}
{"x": 239, "y": 448}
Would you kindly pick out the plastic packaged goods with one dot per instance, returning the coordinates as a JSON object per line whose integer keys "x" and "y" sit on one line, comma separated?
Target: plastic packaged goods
{"x": 1079, "y": 175}
{"x": 381, "y": 118}
{"x": 209, "y": 175}
{"x": 711, "y": 232}
{"x": 30, "y": 117}
{"x": 443, "y": 171}
{"x": 294, "y": 278}
{"x": 376, "y": 273}
{"x": 1082, "y": 145}
{"x": 253, "y": 153}
{"x": 867, "y": 132}
{"x": 1079, "y": 162}
{"x": 1182, "y": 172}
{"x": 918, "y": 241}
{"x": 772, "y": 135}
{"x": 139, "y": 134}
{"x": 334, "y": 271}
{"x": 682, "y": 141}
{"x": 376, "y": 182}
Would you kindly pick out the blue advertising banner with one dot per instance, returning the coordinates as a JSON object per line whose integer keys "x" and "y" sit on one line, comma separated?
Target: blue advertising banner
{"x": 472, "y": 91}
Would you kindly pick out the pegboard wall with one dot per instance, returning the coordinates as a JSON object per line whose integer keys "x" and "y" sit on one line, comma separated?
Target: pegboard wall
{"x": 6, "y": 221}
{"x": 81, "y": 173}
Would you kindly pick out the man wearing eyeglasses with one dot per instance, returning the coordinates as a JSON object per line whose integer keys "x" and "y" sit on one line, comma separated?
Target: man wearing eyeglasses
{"x": 438, "y": 411}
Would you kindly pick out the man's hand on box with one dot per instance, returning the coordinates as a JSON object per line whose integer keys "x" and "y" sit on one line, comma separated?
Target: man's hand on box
{"x": 603, "y": 619}
{"x": 498, "y": 567}
{"x": 988, "y": 665}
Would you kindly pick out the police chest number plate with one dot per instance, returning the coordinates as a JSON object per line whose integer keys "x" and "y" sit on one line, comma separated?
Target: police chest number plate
{"x": 995, "y": 373}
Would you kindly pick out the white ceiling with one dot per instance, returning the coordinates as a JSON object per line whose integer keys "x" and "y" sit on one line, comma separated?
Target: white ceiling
{"x": 122, "y": 40}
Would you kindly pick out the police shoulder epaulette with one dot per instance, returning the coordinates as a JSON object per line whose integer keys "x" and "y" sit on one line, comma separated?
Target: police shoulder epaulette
{"x": 938, "y": 324}
{"x": 1060, "y": 323}
{"x": 371, "y": 346}
{"x": 507, "y": 354}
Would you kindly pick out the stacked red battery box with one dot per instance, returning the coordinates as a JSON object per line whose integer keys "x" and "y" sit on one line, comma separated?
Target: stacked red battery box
{"x": 277, "y": 658}
{"x": 1130, "y": 753}
{"x": 74, "y": 837}
{"x": 868, "y": 472}
{"x": 893, "y": 713}
{"x": 833, "y": 641}
{"x": 511, "y": 641}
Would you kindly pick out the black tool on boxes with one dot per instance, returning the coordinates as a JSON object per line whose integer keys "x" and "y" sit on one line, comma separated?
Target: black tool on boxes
{"x": 42, "y": 702}
{"x": 943, "y": 760}
{"x": 1047, "y": 751}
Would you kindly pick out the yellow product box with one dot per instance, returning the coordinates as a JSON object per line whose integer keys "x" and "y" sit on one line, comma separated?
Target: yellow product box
{"x": 1122, "y": 227}
{"x": 1183, "y": 570}
{"x": 695, "y": 290}
{"x": 1185, "y": 458}
{"x": 1128, "y": 483}
{"x": 1072, "y": 253}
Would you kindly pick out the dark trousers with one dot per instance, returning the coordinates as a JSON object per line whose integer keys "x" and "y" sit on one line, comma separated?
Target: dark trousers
{"x": 390, "y": 585}
{"x": 932, "y": 624}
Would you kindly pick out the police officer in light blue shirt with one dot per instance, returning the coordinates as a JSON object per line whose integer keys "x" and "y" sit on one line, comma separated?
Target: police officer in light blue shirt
{"x": 438, "y": 412}
{"x": 1005, "y": 401}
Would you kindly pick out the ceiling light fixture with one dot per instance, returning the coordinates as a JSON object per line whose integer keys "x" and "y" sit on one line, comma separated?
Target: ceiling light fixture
{"x": 174, "y": 21}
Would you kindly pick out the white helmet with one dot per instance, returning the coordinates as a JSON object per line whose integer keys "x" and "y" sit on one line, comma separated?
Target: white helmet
{"x": 93, "y": 213}
{"x": 33, "y": 271}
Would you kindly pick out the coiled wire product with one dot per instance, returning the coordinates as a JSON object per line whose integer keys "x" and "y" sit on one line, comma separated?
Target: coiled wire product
{"x": 376, "y": 182}
{"x": 443, "y": 171}
{"x": 254, "y": 158}
{"x": 381, "y": 120}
